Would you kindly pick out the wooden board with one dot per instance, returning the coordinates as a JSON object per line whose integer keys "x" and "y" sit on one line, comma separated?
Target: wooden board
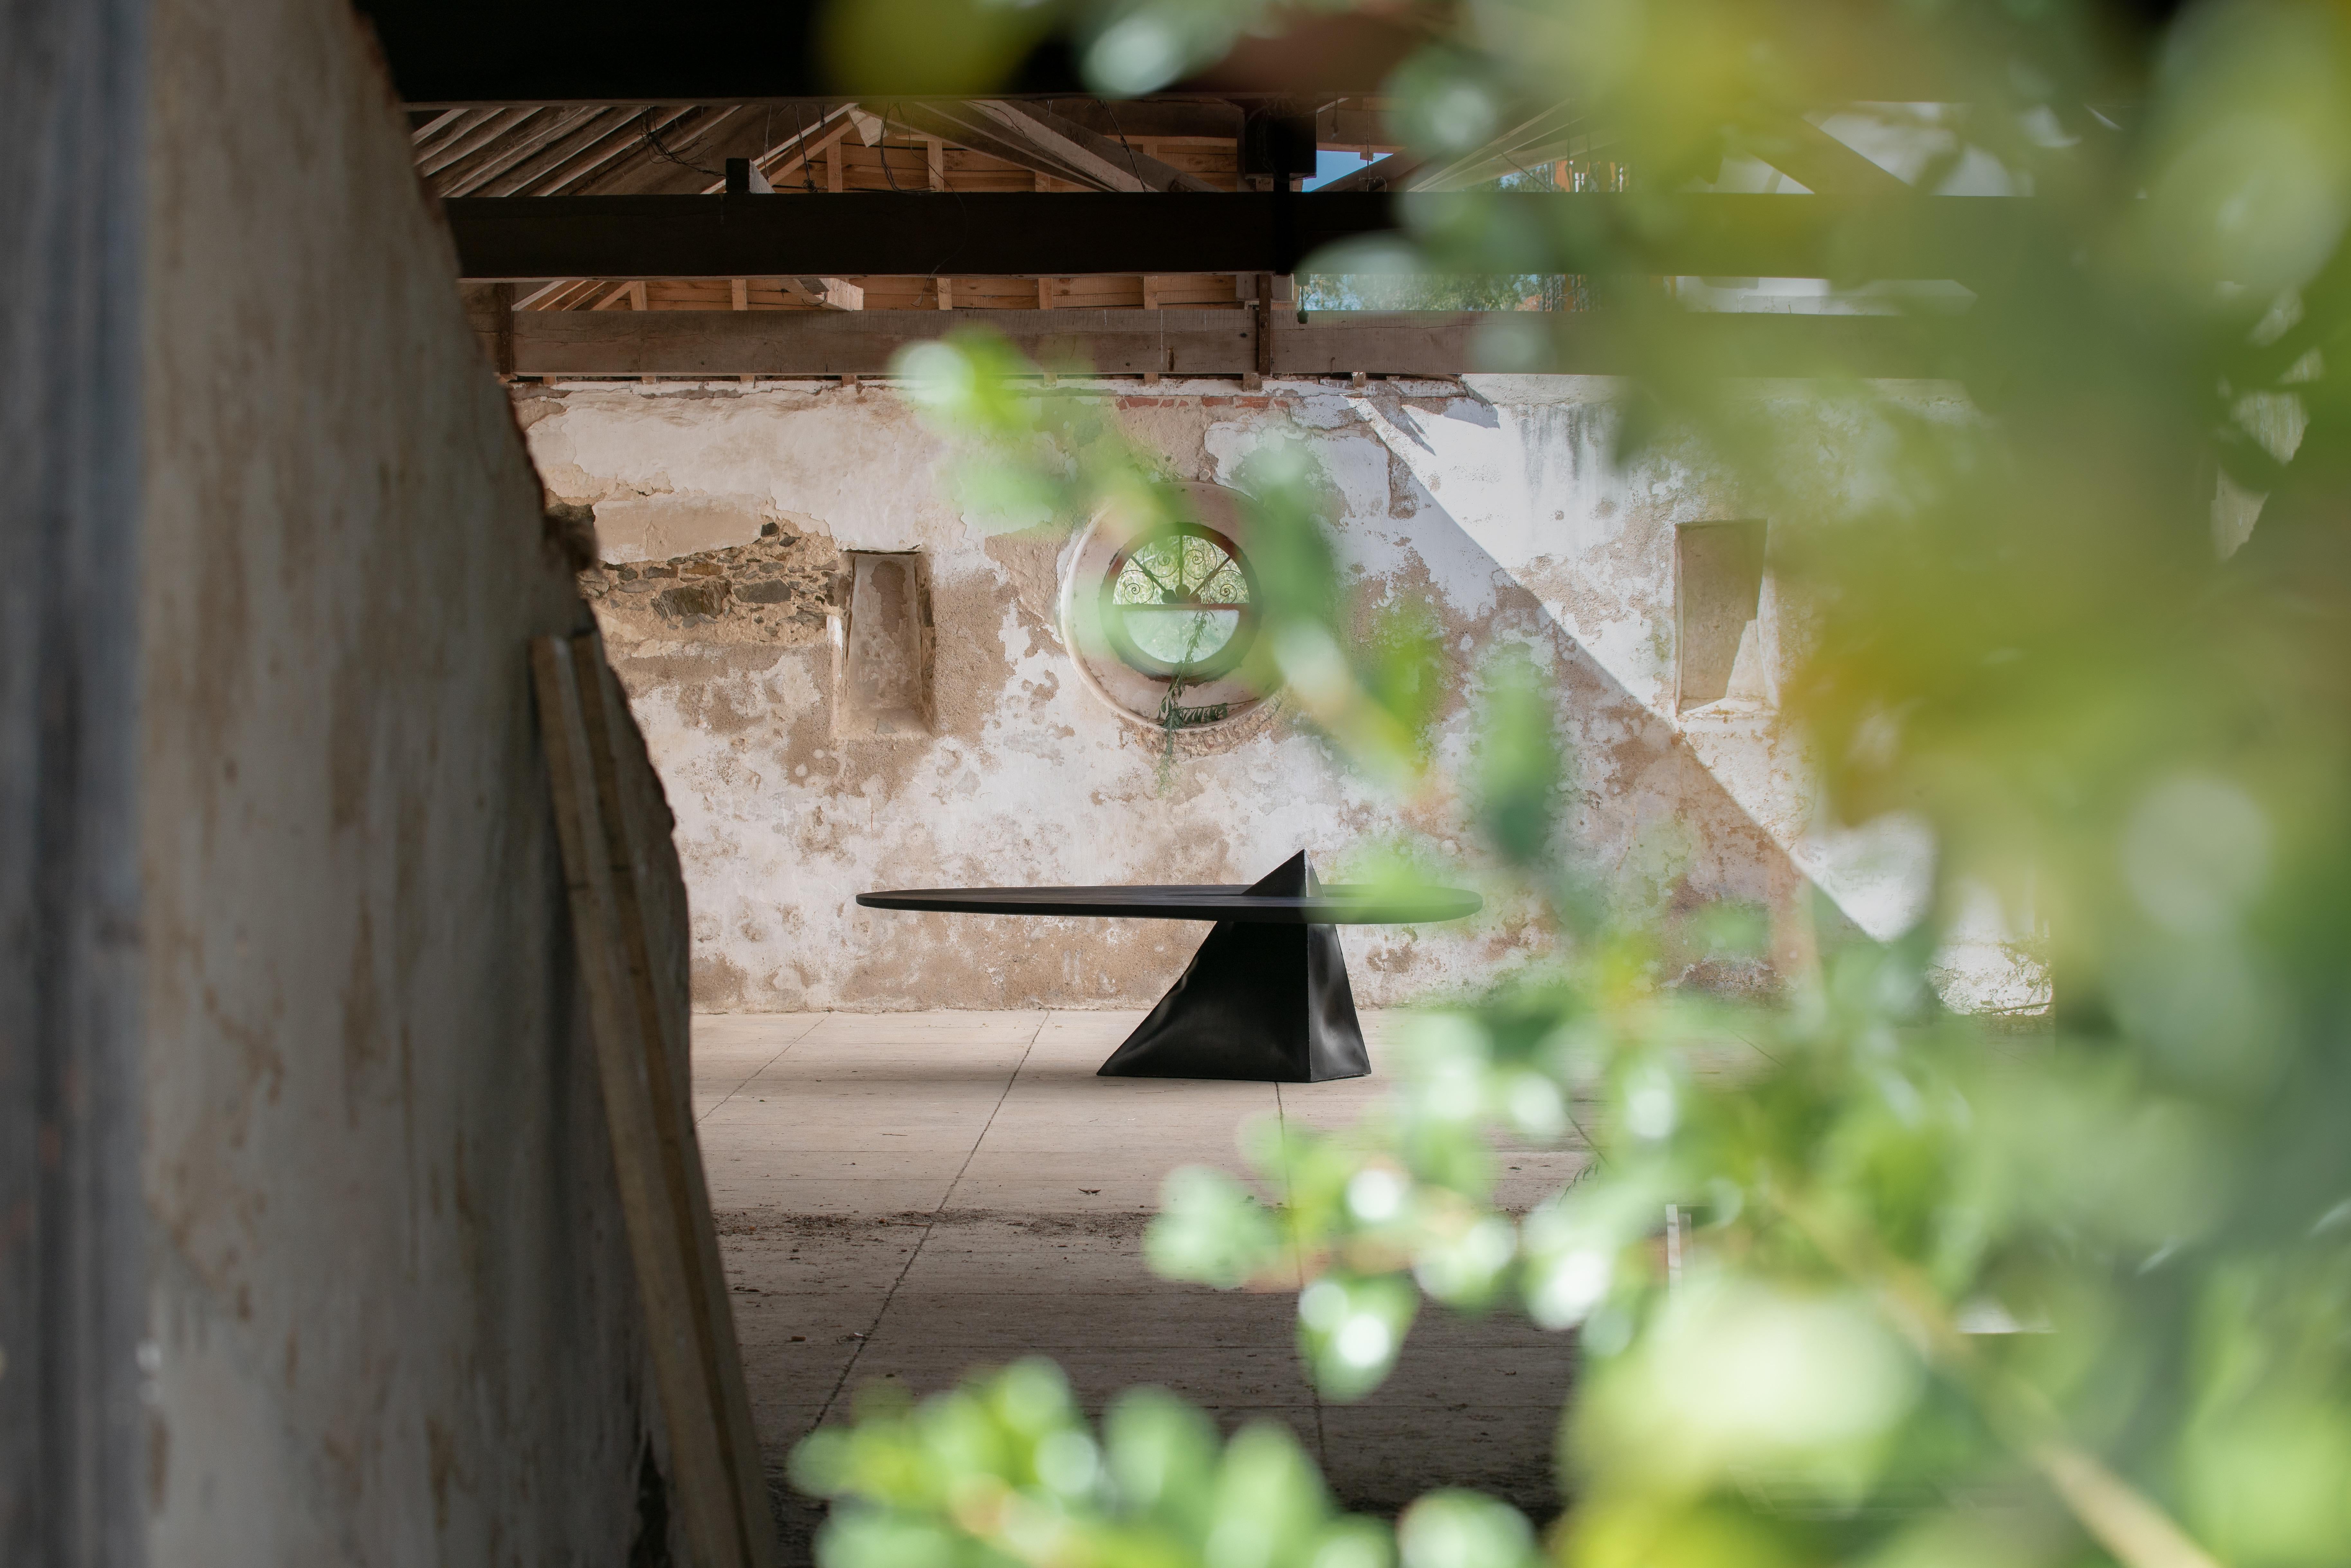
{"x": 628, "y": 924}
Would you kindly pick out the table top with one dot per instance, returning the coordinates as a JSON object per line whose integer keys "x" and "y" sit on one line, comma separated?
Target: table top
{"x": 1336, "y": 904}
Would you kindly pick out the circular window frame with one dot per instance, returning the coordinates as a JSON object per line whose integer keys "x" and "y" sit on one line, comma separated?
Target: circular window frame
{"x": 1137, "y": 697}
{"x": 1199, "y": 673}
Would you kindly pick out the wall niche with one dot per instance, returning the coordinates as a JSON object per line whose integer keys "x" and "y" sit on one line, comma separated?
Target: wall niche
{"x": 1721, "y": 652}
{"x": 882, "y": 646}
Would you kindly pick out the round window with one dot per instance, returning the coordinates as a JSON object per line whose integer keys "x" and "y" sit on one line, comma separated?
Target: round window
{"x": 1161, "y": 617}
{"x": 1180, "y": 602}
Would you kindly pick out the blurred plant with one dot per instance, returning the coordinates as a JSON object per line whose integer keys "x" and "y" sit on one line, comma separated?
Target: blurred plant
{"x": 1946, "y": 1296}
{"x": 1005, "y": 1470}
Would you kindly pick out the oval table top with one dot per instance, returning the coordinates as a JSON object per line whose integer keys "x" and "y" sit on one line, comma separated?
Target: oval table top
{"x": 1336, "y": 904}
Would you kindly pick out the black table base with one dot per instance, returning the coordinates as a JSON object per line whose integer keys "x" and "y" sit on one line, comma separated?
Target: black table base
{"x": 1259, "y": 1002}
{"x": 1265, "y": 998}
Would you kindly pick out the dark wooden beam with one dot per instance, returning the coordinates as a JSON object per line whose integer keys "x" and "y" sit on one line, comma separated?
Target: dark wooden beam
{"x": 1023, "y": 234}
{"x": 447, "y": 52}
{"x": 1153, "y": 117}
{"x": 926, "y": 233}
{"x": 597, "y": 51}
{"x": 694, "y": 343}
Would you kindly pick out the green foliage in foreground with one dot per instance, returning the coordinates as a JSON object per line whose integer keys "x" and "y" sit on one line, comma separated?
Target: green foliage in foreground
{"x": 1004, "y": 1470}
{"x": 1931, "y": 1295}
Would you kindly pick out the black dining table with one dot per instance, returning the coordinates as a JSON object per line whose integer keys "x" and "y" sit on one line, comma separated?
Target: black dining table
{"x": 1265, "y": 998}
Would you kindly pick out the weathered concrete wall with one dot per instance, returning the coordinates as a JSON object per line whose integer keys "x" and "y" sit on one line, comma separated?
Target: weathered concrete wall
{"x": 393, "y": 1319}
{"x": 1523, "y": 464}
{"x": 1029, "y": 778}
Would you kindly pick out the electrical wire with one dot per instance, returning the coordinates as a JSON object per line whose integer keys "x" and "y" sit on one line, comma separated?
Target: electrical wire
{"x": 807, "y": 176}
{"x": 654, "y": 141}
{"x": 882, "y": 147}
{"x": 1133, "y": 168}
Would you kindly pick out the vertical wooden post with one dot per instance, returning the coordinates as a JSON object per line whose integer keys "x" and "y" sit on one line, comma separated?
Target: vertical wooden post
{"x": 502, "y": 301}
{"x": 1264, "y": 308}
{"x": 740, "y": 292}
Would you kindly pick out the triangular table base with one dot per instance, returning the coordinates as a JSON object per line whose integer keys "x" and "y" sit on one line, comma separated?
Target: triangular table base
{"x": 1262, "y": 1002}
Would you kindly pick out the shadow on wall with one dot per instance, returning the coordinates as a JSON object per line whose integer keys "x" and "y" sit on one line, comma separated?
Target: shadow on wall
{"x": 1654, "y": 823}
{"x": 846, "y": 737}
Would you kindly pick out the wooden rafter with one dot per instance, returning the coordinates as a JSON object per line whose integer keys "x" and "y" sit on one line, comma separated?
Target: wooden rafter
{"x": 624, "y": 145}
{"x": 543, "y": 152}
{"x": 449, "y": 149}
{"x": 1109, "y": 165}
{"x": 971, "y": 124}
{"x": 1558, "y": 132}
{"x": 785, "y": 161}
{"x": 1814, "y": 159}
{"x": 480, "y": 173}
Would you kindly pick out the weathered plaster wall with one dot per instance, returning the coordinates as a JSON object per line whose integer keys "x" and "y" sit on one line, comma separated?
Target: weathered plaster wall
{"x": 1523, "y": 464}
{"x": 393, "y": 1320}
{"x": 1029, "y": 778}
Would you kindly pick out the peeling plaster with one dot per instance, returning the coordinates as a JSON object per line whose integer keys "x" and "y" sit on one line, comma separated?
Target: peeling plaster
{"x": 1500, "y": 511}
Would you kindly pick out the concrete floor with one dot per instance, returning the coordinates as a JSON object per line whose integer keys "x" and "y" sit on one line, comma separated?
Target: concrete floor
{"x": 908, "y": 1196}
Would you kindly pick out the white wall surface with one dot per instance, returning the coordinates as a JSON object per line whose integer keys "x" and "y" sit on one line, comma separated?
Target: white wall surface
{"x": 1499, "y": 512}
{"x": 394, "y": 1318}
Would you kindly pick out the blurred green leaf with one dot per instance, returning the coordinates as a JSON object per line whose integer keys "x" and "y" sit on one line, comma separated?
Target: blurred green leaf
{"x": 1520, "y": 765}
{"x": 1837, "y": 1257}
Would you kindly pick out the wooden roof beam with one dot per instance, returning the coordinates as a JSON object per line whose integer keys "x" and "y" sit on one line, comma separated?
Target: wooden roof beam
{"x": 801, "y": 151}
{"x": 1814, "y": 159}
{"x": 967, "y": 123}
{"x": 1560, "y": 131}
{"x": 1112, "y": 165}
{"x": 467, "y": 176}
{"x": 919, "y": 234}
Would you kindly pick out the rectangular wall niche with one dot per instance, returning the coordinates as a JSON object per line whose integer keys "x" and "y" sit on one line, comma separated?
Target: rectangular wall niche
{"x": 882, "y": 646}
{"x": 1720, "y": 648}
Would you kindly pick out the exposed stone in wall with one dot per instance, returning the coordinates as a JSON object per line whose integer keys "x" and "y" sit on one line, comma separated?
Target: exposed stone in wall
{"x": 1026, "y": 776}
{"x": 775, "y": 591}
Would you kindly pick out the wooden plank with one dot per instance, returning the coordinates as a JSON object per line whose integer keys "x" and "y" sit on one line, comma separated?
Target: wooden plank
{"x": 650, "y": 891}
{"x": 475, "y": 171}
{"x": 1127, "y": 341}
{"x": 663, "y": 1208}
{"x": 1817, "y": 160}
{"x": 542, "y": 170}
{"x": 807, "y": 146}
{"x": 1112, "y": 164}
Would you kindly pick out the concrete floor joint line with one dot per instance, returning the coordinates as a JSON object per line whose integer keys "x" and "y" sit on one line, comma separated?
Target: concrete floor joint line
{"x": 917, "y": 1250}
{"x": 763, "y": 1067}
